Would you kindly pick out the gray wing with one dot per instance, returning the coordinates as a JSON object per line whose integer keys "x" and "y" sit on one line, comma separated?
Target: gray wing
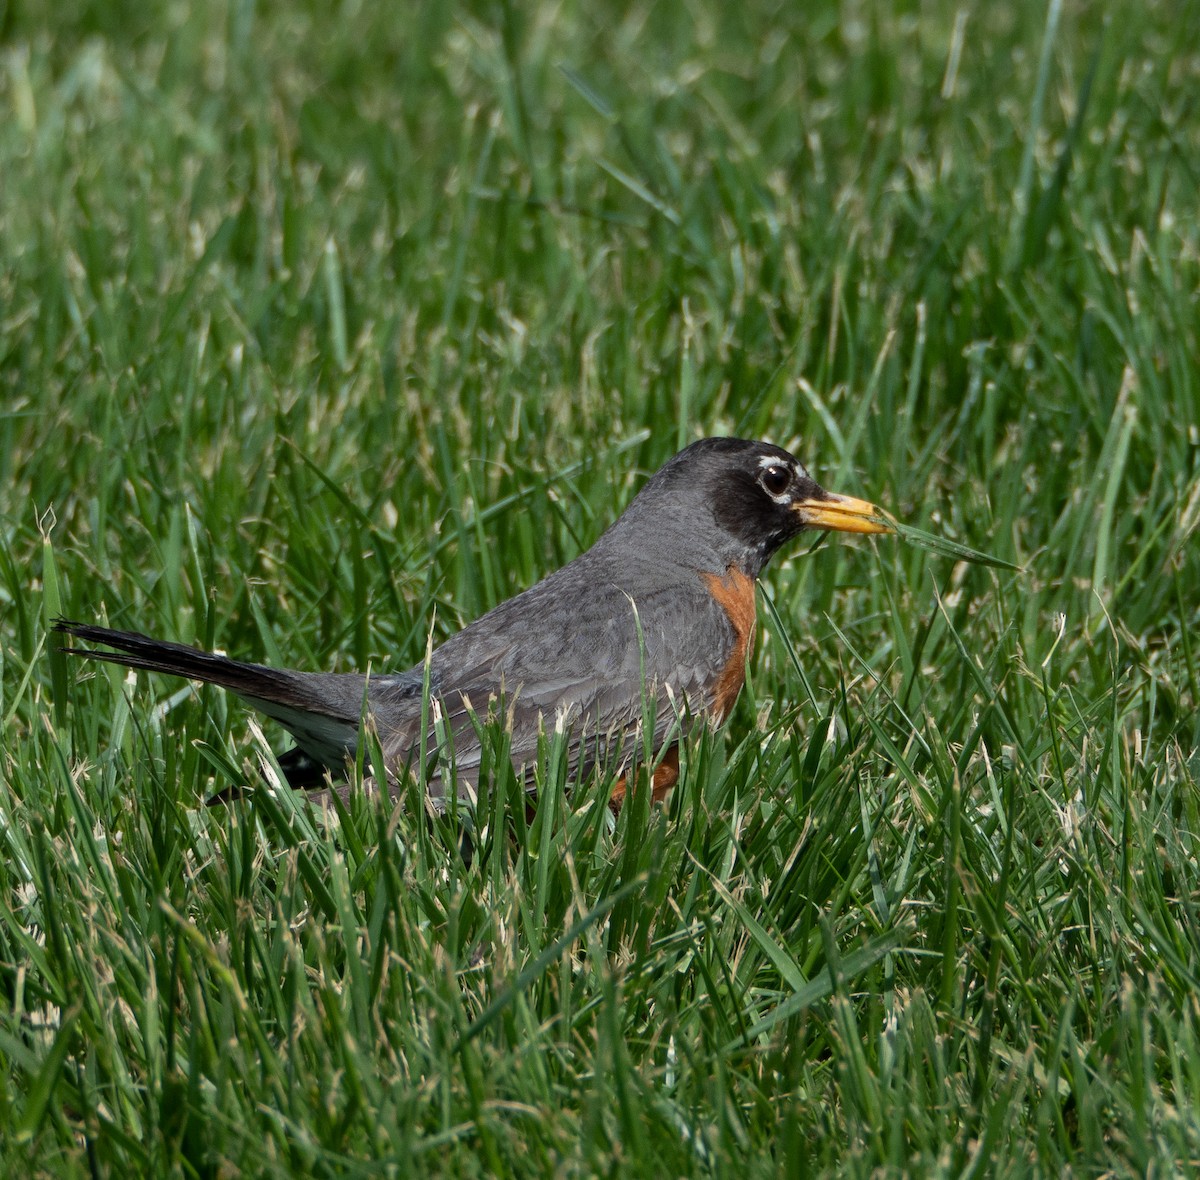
{"x": 593, "y": 662}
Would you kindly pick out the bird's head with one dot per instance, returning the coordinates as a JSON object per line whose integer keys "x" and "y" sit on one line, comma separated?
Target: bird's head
{"x": 741, "y": 500}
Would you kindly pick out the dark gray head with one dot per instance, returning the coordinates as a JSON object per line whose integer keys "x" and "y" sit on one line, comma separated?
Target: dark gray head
{"x": 726, "y": 502}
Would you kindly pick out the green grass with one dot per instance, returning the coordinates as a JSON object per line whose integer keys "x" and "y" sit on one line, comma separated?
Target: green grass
{"x": 321, "y": 327}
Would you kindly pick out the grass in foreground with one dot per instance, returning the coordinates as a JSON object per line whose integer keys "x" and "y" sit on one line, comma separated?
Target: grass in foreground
{"x": 318, "y": 329}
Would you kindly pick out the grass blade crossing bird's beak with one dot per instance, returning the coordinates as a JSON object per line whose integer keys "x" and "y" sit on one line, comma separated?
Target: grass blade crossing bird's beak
{"x": 844, "y": 514}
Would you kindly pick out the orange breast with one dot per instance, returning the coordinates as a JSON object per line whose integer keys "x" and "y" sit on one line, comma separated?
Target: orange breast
{"x": 665, "y": 776}
{"x": 735, "y": 593}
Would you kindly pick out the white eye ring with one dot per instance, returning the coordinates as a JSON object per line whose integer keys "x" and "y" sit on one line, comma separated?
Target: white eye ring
{"x": 775, "y": 479}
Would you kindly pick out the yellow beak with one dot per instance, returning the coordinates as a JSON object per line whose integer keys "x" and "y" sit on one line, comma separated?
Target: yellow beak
{"x": 844, "y": 514}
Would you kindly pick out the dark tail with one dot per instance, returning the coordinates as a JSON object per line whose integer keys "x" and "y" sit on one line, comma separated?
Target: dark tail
{"x": 154, "y": 655}
{"x": 321, "y": 710}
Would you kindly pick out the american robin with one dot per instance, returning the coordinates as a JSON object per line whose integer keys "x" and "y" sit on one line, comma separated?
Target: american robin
{"x": 659, "y": 612}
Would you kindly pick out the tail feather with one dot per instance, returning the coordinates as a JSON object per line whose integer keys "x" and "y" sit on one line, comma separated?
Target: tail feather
{"x": 321, "y": 710}
{"x": 134, "y": 650}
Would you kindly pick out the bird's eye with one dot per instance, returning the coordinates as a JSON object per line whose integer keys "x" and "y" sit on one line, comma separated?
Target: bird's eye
{"x": 775, "y": 479}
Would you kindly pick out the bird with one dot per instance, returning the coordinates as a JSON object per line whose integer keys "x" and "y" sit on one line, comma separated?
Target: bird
{"x": 645, "y": 635}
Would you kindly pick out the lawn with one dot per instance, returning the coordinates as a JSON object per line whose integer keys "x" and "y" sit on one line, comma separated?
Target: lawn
{"x": 325, "y": 328}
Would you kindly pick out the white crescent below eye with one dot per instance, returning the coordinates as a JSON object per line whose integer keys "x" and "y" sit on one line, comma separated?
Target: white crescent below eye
{"x": 773, "y": 471}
